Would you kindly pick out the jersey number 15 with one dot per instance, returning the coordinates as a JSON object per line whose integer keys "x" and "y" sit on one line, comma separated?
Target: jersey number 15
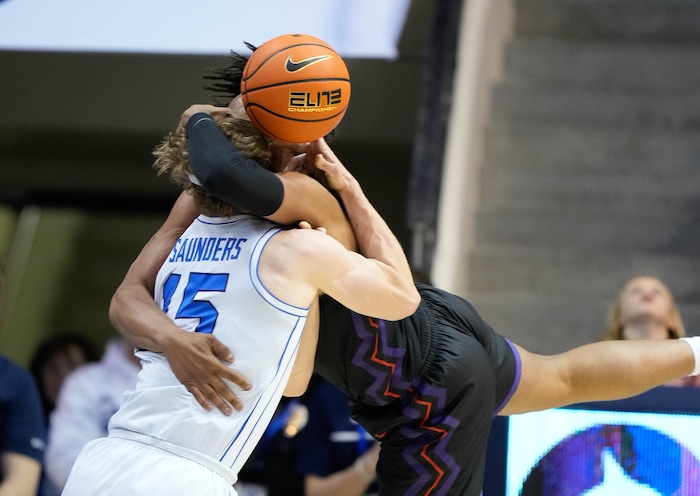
{"x": 190, "y": 308}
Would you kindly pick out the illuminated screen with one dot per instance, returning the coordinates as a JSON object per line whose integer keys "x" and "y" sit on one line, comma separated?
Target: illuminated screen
{"x": 644, "y": 446}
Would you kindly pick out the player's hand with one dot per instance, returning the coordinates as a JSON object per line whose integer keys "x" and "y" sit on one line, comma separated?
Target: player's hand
{"x": 327, "y": 168}
{"x": 306, "y": 225}
{"x": 319, "y": 162}
{"x": 207, "y": 109}
{"x": 199, "y": 361}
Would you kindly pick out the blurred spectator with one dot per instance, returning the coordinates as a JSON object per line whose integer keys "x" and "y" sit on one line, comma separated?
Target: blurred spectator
{"x": 271, "y": 469}
{"x": 22, "y": 429}
{"x": 54, "y": 359}
{"x": 646, "y": 309}
{"x": 338, "y": 457}
{"x": 88, "y": 398}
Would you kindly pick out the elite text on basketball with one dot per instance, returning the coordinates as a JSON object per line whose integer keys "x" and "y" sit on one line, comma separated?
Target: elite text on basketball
{"x": 302, "y": 101}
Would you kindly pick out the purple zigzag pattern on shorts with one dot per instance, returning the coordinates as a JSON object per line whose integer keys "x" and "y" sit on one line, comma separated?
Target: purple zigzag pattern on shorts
{"x": 359, "y": 360}
{"x": 412, "y": 453}
{"x": 363, "y": 360}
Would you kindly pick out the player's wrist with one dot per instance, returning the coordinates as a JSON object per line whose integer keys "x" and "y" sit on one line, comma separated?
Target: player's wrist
{"x": 172, "y": 340}
{"x": 694, "y": 343}
{"x": 350, "y": 188}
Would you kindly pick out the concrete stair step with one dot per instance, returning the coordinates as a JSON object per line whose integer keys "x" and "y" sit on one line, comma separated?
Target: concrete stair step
{"x": 590, "y": 169}
{"x": 588, "y": 230}
{"x": 576, "y": 273}
{"x": 628, "y": 65}
{"x": 544, "y": 324}
{"x": 567, "y": 145}
{"x": 657, "y": 109}
{"x": 609, "y": 19}
{"x": 641, "y": 192}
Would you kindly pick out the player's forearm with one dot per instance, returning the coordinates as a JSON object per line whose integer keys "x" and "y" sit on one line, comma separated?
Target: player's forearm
{"x": 613, "y": 370}
{"x": 227, "y": 173}
{"x": 601, "y": 371}
{"x": 137, "y": 317}
{"x": 376, "y": 240}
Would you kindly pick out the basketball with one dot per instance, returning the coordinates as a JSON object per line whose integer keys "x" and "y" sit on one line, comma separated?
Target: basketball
{"x": 295, "y": 88}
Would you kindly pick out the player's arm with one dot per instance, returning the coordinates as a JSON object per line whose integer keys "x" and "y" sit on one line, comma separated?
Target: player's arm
{"x": 306, "y": 354}
{"x": 601, "y": 371}
{"x": 378, "y": 282}
{"x": 286, "y": 198}
{"x": 375, "y": 239}
{"x": 196, "y": 358}
{"x": 366, "y": 286}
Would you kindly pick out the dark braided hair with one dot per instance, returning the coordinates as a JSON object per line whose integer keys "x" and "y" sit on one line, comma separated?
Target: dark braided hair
{"x": 225, "y": 81}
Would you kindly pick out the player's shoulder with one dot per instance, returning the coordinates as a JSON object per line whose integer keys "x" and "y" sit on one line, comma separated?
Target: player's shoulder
{"x": 307, "y": 241}
{"x": 299, "y": 253}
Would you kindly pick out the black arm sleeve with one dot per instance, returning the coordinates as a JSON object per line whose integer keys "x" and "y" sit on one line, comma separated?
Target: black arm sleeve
{"x": 226, "y": 173}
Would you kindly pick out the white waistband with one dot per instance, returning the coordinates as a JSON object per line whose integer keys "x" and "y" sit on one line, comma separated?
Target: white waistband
{"x": 194, "y": 456}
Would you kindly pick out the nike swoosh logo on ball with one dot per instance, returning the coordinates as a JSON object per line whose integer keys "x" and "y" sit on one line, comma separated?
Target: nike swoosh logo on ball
{"x": 297, "y": 66}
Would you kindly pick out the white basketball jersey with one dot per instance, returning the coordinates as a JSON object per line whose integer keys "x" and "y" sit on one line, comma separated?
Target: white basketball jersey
{"x": 210, "y": 283}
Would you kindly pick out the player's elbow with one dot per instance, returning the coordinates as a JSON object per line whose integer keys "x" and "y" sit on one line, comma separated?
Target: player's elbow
{"x": 405, "y": 304}
{"x": 412, "y": 301}
{"x": 115, "y": 307}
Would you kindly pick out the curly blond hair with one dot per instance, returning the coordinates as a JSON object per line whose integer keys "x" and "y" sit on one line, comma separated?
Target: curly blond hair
{"x": 172, "y": 157}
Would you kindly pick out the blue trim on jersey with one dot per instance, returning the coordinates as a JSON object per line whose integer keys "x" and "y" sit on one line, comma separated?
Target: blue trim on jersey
{"x": 264, "y": 293}
{"x": 270, "y": 398}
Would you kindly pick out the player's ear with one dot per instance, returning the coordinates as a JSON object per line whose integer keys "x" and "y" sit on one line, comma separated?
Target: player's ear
{"x": 237, "y": 109}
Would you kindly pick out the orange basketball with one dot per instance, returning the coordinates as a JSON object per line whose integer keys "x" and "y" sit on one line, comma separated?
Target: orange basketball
{"x": 295, "y": 88}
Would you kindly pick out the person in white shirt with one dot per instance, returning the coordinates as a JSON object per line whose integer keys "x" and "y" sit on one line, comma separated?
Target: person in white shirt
{"x": 87, "y": 400}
